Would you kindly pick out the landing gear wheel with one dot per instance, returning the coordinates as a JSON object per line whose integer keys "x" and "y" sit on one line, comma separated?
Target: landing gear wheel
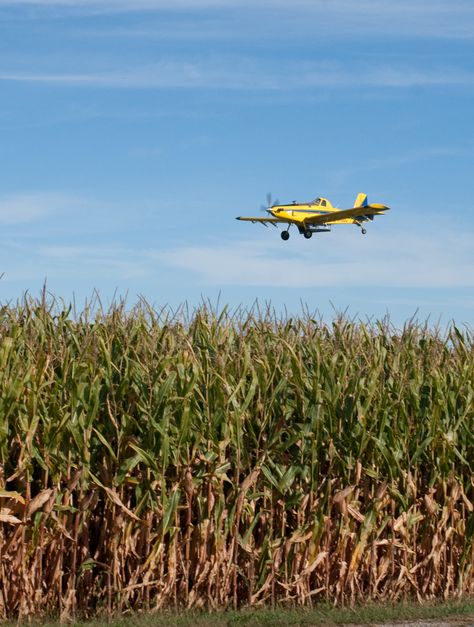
{"x": 308, "y": 234}
{"x": 285, "y": 235}
{"x": 363, "y": 231}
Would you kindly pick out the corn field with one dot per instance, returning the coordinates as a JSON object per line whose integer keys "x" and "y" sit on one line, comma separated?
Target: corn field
{"x": 219, "y": 459}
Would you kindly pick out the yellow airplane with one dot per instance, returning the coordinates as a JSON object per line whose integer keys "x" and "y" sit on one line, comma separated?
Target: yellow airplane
{"x": 318, "y": 216}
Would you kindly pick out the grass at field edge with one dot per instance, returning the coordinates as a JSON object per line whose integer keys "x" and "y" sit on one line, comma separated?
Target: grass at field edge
{"x": 370, "y": 613}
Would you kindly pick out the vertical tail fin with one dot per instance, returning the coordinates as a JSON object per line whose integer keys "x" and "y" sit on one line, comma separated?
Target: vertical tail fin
{"x": 361, "y": 200}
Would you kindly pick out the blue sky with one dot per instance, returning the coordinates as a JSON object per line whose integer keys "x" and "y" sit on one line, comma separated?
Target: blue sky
{"x": 133, "y": 132}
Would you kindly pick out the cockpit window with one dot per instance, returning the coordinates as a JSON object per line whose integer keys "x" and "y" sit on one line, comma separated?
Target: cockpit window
{"x": 323, "y": 203}
{"x": 317, "y": 201}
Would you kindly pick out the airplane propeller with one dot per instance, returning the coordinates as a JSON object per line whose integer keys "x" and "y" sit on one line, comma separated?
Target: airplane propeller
{"x": 269, "y": 204}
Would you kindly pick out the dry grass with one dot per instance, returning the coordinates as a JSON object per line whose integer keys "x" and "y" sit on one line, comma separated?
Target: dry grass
{"x": 222, "y": 461}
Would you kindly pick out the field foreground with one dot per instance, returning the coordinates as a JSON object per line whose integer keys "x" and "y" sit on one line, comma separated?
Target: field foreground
{"x": 226, "y": 461}
{"x": 459, "y": 613}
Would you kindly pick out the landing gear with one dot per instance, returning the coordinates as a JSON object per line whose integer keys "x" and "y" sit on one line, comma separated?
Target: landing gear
{"x": 308, "y": 234}
{"x": 363, "y": 231}
{"x": 285, "y": 235}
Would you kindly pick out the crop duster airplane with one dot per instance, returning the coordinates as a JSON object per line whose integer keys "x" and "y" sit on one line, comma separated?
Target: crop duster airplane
{"x": 318, "y": 216}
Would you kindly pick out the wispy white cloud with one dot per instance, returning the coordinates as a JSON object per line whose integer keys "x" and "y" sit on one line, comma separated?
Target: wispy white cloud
{"x": 125, "y": 5}
{"x": 30, "y": 207}
{"x": 399, "y": 258}
{"x": 96, "y": 261}
{"x": 249, "y": 74}
{"x": 396, "y": 257}
{"x": 367, "y": 7}
{"x": 400, "y": 251}
{"x": 74, "y": 263}
{"x": 434, "y": 18}
{"x": 413, "y": 157}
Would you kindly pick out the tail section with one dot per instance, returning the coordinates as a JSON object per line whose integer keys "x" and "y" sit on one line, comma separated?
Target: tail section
{"x": 361, "y": 200}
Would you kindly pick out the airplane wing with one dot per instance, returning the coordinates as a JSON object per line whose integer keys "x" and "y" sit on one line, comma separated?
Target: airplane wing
{"x": 343, "y": 214}
{"x": 264, "y": 221}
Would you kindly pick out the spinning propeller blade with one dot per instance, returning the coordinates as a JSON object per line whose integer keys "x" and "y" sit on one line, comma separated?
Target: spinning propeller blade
{"x": 269, "y": 204}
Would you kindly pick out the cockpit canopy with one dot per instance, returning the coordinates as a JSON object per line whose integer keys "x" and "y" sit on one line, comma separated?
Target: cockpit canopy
{"x": 320, "y": 202}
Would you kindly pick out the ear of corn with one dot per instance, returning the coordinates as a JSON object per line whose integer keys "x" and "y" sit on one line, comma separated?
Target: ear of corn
{"x": 150, "y": 460}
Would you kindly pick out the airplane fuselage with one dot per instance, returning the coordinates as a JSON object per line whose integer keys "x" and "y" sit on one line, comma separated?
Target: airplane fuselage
{"x": 298, "y": 212}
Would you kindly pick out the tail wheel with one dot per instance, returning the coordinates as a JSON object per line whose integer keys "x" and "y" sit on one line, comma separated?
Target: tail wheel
{"x": 285, "y": 235}
{"x": 308, "y": 234}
